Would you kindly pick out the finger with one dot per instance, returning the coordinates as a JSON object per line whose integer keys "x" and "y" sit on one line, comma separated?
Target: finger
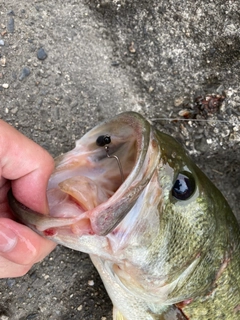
{"x": 21, "y": 245}
{"x": 9, "y": 269}
{"x": 27, "y": 164}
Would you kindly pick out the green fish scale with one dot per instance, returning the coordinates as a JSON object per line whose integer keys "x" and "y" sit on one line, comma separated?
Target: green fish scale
{"x": 224, "y": 301}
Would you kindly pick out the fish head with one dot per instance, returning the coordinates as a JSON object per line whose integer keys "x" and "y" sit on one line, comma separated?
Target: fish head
{"x": 129, "y": 195}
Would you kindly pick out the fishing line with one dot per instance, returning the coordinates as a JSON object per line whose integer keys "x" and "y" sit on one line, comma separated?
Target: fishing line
{"x": 193, "y": 120}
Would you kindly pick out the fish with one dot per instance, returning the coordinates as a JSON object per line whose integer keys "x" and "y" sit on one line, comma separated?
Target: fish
{"x": 162, "y": 237}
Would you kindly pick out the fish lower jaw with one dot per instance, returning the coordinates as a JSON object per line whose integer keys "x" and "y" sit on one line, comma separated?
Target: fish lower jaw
{"x": 77, "y": 229}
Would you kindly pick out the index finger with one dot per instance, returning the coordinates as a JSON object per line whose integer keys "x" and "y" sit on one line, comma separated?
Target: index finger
{"x": 27, "y": 164}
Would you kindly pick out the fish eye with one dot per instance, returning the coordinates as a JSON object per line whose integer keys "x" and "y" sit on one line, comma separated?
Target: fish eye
{"x": 184, "y": 186}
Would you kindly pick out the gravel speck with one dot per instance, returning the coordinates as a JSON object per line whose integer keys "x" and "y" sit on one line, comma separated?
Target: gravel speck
{"x": 24, "y": 73}
{"x": 14, "y": 110}
{"x": 1, "y": 42}
{"x": 41, "y": 54}
{"x": 3, "y": 61}
{"x": 11, "y": 13}
{"x": 91, "y": 283}
{"x": 32, "y": 316}
{"x": 10, "y": 282}
{"x": 11, "y": 25}
{"x": 132, "y": 48}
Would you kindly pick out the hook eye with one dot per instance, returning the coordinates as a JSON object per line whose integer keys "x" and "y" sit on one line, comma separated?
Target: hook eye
{"x": 103, "y": 140}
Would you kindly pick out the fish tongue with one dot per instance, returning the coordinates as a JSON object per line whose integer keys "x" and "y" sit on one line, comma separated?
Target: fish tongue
{"x": 85, "y": 192}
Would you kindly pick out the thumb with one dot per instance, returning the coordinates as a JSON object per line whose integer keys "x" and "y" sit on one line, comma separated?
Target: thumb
{"x": 19, "y": 245}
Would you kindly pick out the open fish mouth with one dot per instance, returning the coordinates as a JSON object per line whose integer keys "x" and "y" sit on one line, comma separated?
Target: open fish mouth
{"x": 95, "y": 185}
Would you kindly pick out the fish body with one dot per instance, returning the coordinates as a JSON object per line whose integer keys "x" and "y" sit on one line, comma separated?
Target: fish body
{"x": 164, "y": 240}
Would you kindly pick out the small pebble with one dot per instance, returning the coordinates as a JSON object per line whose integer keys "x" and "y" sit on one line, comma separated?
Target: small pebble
{"x": 14, "y": 110}
{"x": 10, "y": 25}
{"x": 10, "y": 282}
{"x": 24, "y": 73}
{"x": 5, "y": 85}
{"x": 178, "y": 101}
{"x": 3, "y": 61}
{"x": 132, "y": 48}
{"x": 236, "y": 128}
{"x": 41, "y": 54}
{"x": 32, "y": 316}
{"x": 1, "y": 42}
{"x": 234, "y": 136}
{"x": 184, "y": 113}
{"x": 115, "y": 63}
{"x": 11, "y": 13}
{"x": 151, "y": 89}
{"x": 91, "y": 283}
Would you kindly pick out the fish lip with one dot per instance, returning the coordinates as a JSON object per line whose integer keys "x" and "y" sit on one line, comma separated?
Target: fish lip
{"x": 106, "y": 216}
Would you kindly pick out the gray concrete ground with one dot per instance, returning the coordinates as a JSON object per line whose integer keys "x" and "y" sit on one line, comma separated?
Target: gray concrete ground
{"x": 99, "y": 58}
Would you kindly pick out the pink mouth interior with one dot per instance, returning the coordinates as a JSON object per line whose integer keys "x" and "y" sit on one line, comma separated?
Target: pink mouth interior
{"x": 85, "y": 177}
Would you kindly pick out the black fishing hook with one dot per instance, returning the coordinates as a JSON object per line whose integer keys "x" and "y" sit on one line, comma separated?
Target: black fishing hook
{"x": 104, "y": 141}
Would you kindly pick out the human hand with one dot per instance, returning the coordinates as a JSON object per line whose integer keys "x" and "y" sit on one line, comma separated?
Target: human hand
{"x": 25, "y": 167}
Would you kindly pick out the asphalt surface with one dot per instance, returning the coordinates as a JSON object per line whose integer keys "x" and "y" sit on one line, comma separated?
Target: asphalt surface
{"x": 67, "y": 65}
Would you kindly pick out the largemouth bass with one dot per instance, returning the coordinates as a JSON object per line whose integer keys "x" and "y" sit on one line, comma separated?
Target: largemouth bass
{"x": 162, "y": 237}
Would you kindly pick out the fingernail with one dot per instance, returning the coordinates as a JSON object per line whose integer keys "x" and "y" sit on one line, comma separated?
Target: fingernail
{"x": 8, "y": 239}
